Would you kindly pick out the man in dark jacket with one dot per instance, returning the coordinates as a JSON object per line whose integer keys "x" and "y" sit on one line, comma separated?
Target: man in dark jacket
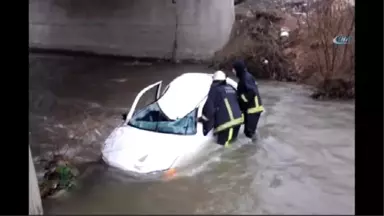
{"x": 249, "y": 98}
{"x": 221, "y": 111}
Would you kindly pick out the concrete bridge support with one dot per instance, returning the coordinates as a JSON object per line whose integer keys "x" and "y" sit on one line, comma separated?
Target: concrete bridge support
{"x": 178, "y": 29}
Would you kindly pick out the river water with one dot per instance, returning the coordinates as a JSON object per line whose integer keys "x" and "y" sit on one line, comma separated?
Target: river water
{"x": 302, "y": 163}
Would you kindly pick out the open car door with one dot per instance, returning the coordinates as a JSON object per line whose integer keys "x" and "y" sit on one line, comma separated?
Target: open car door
{"x": 153, "y": 94}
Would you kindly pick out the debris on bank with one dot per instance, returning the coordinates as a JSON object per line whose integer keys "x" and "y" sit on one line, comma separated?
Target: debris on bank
{"x": 60, "y": 176}
{"x": 256, "y": 38}
{"x": 319, "y": 62}
{"x": 293, "y": 42}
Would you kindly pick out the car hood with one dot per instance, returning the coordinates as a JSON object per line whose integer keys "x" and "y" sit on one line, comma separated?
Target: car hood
{"x": 142, "y": 151}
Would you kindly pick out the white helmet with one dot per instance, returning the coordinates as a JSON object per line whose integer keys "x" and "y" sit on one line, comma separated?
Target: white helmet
{"x": 219, "y": 76}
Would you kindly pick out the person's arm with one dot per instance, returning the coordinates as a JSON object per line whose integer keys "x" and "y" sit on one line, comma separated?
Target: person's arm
{"x": 257, "y": 93}
{"x": 251, "y": 91}
{"x": 240, "y": 101}
{"x": 208, "y": 114}
{"x": 255, "y": 103}
{"x": 242, "y": 97}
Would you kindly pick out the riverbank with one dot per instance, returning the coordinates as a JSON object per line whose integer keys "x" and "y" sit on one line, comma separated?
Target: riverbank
{"x": 294, "y": 42}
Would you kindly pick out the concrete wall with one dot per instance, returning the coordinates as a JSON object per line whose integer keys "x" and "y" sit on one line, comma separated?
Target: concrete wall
{"x": 35, "y": 207}
{"x": 204, "y": 26}
{"x": 184, "y": 29}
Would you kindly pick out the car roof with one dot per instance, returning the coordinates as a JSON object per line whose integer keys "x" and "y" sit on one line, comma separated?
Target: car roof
{"x": 185, "y": 93}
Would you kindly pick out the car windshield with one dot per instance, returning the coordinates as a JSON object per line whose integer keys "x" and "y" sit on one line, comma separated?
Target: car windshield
{"x": 151, "y": 118}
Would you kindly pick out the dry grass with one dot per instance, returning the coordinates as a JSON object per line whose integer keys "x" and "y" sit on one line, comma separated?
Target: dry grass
{"x": 308, "y": 56}
{"x": 255, "y": 39}
{"x": 329, "y": 66}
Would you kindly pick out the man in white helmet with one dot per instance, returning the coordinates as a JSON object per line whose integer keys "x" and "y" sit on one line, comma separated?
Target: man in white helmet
{"x": 222, "y": 111}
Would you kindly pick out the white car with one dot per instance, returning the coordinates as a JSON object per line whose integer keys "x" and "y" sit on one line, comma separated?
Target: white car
{"x": 165, "y": 134}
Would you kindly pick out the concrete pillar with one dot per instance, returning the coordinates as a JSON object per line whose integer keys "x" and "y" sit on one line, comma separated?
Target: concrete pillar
{"x": 180, "y": 29}
{"x": 35, "y": 207}
{"x": 204, "y": 27}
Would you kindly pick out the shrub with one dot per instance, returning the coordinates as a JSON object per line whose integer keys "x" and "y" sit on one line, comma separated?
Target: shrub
{"x": 254, "y": 38}
{"x": 331, "y": 66}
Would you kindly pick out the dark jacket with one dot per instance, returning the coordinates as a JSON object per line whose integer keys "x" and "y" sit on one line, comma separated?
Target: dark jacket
{"x": 221, "y": 110}
{"x": 247, "y": 90}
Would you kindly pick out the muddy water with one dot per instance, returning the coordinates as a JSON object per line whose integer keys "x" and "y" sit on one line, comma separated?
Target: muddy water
{"x": 302, "y": 163}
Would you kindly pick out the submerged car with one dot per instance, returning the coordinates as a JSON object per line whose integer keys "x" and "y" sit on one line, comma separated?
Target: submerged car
{"x": 165, "y": 134}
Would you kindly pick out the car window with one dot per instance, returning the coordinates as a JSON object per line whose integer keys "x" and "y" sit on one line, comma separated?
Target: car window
{"x": 151, "y": 118}
{"x": 165, "y": 90}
